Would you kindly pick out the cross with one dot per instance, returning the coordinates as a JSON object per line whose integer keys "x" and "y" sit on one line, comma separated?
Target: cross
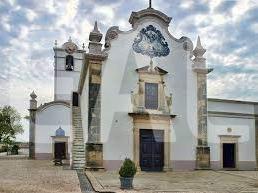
{"x": 149, "y": 3}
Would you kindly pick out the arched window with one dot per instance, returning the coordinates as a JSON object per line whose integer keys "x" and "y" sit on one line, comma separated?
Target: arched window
{"x": 60, "y": 132}
{"x": 69, "y": 63}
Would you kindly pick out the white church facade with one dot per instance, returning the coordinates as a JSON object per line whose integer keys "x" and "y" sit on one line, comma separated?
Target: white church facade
{"x": 143, "y": 95}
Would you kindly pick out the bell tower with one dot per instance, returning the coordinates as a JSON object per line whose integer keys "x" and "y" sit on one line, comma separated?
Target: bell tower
{"x": 67, "y": 68}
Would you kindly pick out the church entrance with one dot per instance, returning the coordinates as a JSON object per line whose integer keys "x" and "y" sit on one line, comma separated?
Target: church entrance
{"x": 60, "y": 150}
{"x": 151, "y": 150}
{"x": 229, "y": 155}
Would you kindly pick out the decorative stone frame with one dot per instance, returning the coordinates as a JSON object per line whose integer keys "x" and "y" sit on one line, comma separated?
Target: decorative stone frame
{"x": 153, "y": 122}
{"x": 233, "y": 139}
{"x": 56, "y": 139}
{"x": 156, "y": 76}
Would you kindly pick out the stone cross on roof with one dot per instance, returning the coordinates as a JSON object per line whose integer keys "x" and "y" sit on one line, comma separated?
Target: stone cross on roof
{"x": 149, "y": 3}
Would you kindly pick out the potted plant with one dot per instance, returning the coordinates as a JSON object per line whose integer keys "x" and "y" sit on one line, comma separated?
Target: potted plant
{"x": 127, "y": 172}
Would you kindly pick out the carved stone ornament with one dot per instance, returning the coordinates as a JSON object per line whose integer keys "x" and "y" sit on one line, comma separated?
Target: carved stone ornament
{"x": 70, "y": 47}
{"x": 151, "y": 42}
{"x": 111, "y": 34}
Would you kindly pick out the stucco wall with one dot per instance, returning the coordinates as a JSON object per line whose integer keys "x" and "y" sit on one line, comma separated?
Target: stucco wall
{"x": 242, "y": 127}
{"x": 66, "y": 81}
{"x": 119, "y": 79}
{"x": 48, "y": 120}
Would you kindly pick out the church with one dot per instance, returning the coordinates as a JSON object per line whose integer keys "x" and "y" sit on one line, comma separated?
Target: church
{"x": 142, "y": 95}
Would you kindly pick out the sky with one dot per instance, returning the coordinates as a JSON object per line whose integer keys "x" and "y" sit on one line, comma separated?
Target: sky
{"x": 28, "y": 29}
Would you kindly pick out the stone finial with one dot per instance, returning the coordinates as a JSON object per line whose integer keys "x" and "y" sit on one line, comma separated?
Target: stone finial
{"x": 33, "y": 102}
{"x": 33, "y": 95}
{"x": 96, "y": 27}
{"x": 95, "y": 35}
{"x": 83, "y": 46}
{"x": 70, "y": 47}
{"x": 199, "y": 51}
{"x": 55, "y": 43}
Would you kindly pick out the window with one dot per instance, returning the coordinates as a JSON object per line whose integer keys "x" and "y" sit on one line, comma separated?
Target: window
{"x": 151, "y": 95}
{"x": 69, "y": 63}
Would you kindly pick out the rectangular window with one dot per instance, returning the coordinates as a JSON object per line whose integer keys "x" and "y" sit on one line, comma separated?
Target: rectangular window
{"x": 151, "y": 96}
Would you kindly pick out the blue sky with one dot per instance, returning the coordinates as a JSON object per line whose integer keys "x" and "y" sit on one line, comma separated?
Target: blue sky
{"x": 28, "y": 29}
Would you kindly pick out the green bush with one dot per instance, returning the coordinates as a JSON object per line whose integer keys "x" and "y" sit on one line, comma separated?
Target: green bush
{"x": 3, "y": 149}
{"x": 14, "y": 149}
{"x": 128, "y": 169}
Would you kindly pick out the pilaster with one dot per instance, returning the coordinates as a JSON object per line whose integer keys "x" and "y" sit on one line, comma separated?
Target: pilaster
{"x": 32, "y": 126}
{"x": 199, "y": 66}
{"x": 94, "y": 147}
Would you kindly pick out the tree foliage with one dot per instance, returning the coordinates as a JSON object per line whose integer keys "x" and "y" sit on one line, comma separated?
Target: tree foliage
{"x": 10, "y": 124}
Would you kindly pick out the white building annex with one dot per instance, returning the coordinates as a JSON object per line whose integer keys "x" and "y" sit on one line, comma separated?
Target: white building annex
{"x": 143, "y": 95}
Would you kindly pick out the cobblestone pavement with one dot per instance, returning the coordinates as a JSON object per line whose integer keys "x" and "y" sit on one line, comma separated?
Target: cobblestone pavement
{"x": 34, "y": 176}
{"x": 196, "y": 181}
{"x": 84, "y": 182}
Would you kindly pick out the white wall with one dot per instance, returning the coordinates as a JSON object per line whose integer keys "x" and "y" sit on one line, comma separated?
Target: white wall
{"x": 243, "y": 126}
{"x": 66, "y": 81}
{"x": 119, "y": 79}
{"x": 47, "y": 122}
{"x": 230, "y": 107}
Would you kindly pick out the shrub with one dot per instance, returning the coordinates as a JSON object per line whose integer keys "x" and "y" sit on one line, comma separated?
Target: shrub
{"x": 128, "y": 169}
{"x": 3, "y": 149}
{"x": 14, "y": 149}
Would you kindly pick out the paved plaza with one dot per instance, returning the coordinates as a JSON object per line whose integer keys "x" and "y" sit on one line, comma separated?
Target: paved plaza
{"x": 30, "y": 176}
{"x": 34, "y": 176}
{"x": 196, "y": 181}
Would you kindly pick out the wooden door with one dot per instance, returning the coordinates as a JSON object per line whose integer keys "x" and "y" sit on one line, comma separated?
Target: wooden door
{"x": 229, "y": 155}
{"x": 60, "y": 150}
{"x": 151, "y": 150}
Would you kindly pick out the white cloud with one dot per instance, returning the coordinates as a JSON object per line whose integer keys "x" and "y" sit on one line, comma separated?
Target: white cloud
{"x": 31, "y": 15}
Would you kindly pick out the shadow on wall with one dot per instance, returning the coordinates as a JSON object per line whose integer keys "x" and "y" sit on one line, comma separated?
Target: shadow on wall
{"x": 119, "y": 143}
{"x": 130, "y": 76}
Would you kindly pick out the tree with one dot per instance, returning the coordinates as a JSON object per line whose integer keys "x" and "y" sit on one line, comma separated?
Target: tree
{"x": 10, "y": 124}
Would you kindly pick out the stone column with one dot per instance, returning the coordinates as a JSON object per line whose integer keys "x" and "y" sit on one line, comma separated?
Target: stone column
{"x": 94, "y": 147}
{"x": 167, "y": 145}
{"x": 199, "y": 66}
{"x": 32, "y": 126}
{"x": 136, "y": 133}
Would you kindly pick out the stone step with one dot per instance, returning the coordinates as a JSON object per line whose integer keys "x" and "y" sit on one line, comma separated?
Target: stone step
{"x": 78, "y": 160}
{"x": 78, "y": 149}
{"x": 79, "y": 154}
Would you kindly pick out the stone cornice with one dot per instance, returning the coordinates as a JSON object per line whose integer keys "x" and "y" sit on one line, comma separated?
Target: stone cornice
{"x": 232, "y": 101}
{"x": 155, "y": 70}
{"x": 62, "y": 49}
{"x": 144, "y": 115}
{"x": 232, "y": 115}
{"x": 46, "y": 105}
{"x": 149, "y": 12}
{"x": 101, "y": 57}
{"x": 202, "y": 70}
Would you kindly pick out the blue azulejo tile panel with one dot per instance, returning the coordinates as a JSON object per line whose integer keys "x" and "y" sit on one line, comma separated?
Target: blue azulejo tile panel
{"x": 151, "y": 42}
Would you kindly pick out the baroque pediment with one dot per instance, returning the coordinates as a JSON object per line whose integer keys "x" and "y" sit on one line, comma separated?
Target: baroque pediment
{"x": 155, "y": 70}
